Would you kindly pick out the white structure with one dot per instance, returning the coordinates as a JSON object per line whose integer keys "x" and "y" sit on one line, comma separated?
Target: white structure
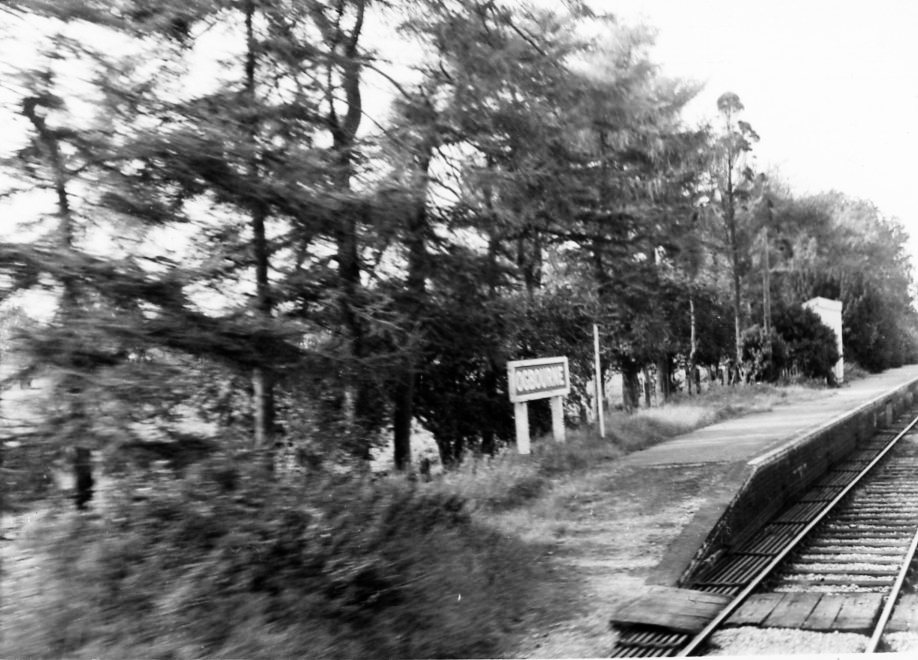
{"x": 830, "y": 311}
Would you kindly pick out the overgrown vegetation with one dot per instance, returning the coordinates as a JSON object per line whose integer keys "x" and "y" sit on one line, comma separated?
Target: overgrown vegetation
{"x": 800, "y": 346}
{"x": 216, "y": 563}
{"x": 212, "y": 560}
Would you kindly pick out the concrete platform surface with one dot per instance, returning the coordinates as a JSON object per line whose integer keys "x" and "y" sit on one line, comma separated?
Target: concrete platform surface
{"x": 735, "y": 446}
{"x": 751, "y": 436}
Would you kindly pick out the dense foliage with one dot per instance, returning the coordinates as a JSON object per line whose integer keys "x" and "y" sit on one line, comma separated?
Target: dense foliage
{"x": 331, "y": 276}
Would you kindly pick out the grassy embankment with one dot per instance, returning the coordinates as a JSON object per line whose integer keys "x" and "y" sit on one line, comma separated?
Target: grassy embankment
{"x": 216, "y": 563}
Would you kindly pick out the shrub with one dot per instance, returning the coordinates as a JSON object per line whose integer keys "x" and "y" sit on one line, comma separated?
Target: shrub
{"x": 765, "y": 354}
{"x": 800, "y": 344}
{"x": 812, "y": 347}
{"x": 218, "y": 564}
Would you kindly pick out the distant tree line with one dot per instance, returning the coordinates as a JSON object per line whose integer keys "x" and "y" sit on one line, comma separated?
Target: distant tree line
{"x": 235, "y": 227}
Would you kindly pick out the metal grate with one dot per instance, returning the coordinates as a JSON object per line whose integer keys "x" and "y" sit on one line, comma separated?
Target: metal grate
{"x": 770, "y": 539}
{"x": 821, "y": 494}
{"x": 722, "y": 589}
{"x": 644, "y": 643}
{"x": 738, "y": 570}
{"x": 837, "y": 478}
{"x": 802, "y": 512}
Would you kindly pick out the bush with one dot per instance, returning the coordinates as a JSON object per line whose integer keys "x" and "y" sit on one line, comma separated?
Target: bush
{"x": 765, "y": 354}
{"x": 800, "y": 344}
{"x": 812, "y": 347}
{"x": 222, "y": 563}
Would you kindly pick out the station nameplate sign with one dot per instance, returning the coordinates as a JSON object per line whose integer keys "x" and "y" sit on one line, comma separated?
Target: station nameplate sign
{"x": 538, "y": 379}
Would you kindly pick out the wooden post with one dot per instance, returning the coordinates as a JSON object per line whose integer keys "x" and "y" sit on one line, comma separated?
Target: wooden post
{"x": 557, "y": 418}
{"x": 521, "y": 416}
{"x": 598, "y": 375}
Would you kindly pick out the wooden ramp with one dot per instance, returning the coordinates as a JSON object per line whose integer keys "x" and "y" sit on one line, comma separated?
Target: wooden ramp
{"x": 681, "y": 610}
{"x": 854, "y": 612}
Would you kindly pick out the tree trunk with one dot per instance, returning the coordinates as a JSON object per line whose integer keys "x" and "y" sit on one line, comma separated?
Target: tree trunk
{"x": 71, "y": 386}
{"x": 492, "y": 279}
{"x": 737, "y": 294}
{"x": 766, "y": 283}
{"x": 664, "y": 374}
{"x": 529, "y": 259}
{"x": 83, "y": 480}
{"x": 263, "y": 408}
{"x": 262, "y": 381}
{"x": 648, "y": 388}
{"x": 631, "y": 386}
{"x": 416, "y": 237}
{"x": 487, "y": 441}
{"x": 349, "y": 282}
{"x": 693, "y": 347}
{"x": 450, "y": 447}
{"x": 403, "y": 398}
{"x": 403, "y": 393}
{"x": 345, "y": 66}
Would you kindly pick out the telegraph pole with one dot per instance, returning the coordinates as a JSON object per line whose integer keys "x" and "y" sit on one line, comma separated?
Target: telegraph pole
{"x": 598, "y": 376}
{"x": 767, "y": 273}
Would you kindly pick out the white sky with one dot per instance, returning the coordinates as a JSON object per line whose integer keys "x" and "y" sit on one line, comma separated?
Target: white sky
{"x": 831, "y": 87}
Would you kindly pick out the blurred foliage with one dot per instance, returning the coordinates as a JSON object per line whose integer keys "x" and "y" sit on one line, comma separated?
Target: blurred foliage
{"x": 220, "y": 563}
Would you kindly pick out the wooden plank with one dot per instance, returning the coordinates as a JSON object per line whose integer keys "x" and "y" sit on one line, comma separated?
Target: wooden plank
{"x": 859, "y": 612}
{"x": 880, "y": 571}
{"x": 878, "y": 555}
{"x": 792, "y": 610}
{"x": 682, "y": 610}
{"x": 841, "y": 544}
{"x": 754, "y": 610}
{"x": 905, "y": 615}
{"x": 805, "y": 582}
{"x": 823, "y": 615}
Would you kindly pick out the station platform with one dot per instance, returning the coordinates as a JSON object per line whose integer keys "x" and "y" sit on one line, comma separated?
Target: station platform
{"x": 752, "y": 461}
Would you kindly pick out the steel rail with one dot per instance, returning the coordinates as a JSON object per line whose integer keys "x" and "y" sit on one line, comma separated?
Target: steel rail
{"x": 892, "y": 597}
{"x": 740, "y": 598}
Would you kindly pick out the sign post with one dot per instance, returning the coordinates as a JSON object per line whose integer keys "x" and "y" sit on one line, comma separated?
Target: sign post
{"x": 521, "y": 418}
{"x": 538, "y": 379}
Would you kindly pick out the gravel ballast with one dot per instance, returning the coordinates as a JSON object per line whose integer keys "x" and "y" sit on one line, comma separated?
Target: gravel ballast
{"x": 747, "y": 640}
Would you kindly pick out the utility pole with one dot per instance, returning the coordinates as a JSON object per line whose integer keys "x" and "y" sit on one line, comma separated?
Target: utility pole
{"x": 600, "y": 408}
{"x": 767, "y": 273}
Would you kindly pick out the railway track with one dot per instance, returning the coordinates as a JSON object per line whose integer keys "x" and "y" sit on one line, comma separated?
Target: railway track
{"x": 842, "y": 550}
